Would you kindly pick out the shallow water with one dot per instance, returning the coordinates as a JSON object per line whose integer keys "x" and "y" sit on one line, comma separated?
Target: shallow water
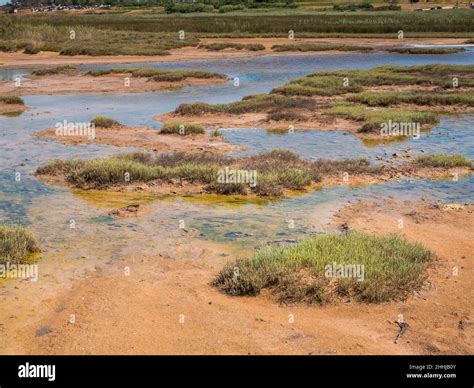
{"x": 453, "y": 134}
{"x": 48, "y": 209}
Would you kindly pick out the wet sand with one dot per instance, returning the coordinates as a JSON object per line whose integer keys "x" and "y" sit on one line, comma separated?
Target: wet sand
{"x": 86, "y": 84}
{"x": 166, "y": 305}
{"x": 146, "y": 138}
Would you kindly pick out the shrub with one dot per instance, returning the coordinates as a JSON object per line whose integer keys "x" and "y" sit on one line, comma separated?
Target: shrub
{"x": 393, "y": 268}
{"x": 179, "y": 128}
{"x": 105, "y": 122}
{"x": 16, "y": 244}
{"x": 444, "y": 160}
{"x": 12, "y": 100}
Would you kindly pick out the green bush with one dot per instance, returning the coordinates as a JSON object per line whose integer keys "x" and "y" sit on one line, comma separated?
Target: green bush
{"x": 444, "y": 160}
{"x": 16, "y": 244}
{"x": 179, "y": 128}
{"x": 105, "y": 122}
{"x": 392, "y": 269}
{"x": 12, "y": 100}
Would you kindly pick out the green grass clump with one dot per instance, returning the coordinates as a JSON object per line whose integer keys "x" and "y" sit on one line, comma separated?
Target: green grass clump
{"x": 308, "y": 47}
{"x": 393, "y": 268}
{"x": 374, "y": 118}
{"x": 444, "y": 160}
{"x": 317, "y": 86}
{"x": 179, "y": 128}
{"x": 235, "y": 46}
{"x": 31, "y": 49}
{"x": 12, "y": 100}
{"x": 66, "y": 69}
{"x": 157, "y": 74}
{"x": 105, "y": 122}
{"x": 275, "y": 171}
{"x": 279, "y": 115}
{"x": 426, "y": 50}
{"x": 254, "y": 103}
{"x": 16, "y": 244}
{"x": 332, "y": 83}
{"x": 417, "y": 98}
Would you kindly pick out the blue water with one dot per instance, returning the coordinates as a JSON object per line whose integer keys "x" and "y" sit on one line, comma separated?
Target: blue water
{"x": 23, "y": 152}
{"x": 453, "y": 134}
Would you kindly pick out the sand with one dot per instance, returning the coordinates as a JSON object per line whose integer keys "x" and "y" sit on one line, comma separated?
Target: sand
{"x": 86, "y": 84}
{"x": 146, "y": 138}
{"x": 166, "y": 305}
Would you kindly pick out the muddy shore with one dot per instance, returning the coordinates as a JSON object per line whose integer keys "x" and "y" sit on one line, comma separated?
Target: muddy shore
{"x": 191, "y": 317}
{"x": 146, "y": 138}
{"x": 87, "y": 84}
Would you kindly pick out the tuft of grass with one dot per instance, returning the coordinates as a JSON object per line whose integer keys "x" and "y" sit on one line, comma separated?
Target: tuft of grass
{"x": 374, "y": 118}
{"x": 179, "y": 128}
{"x": 275, "y": 171}
{"x": 105, "y": 122}
{"x": 308, "y": 47}
{"x": 253, "y": 103}
{"x": 235, "y": 46}
{"x": 12, "y": 100}
{"x": 157, "y": 74}
{"x": 16, "y": 244}
{"x": 216, "y": 133}
{"x": 443, "y": 160}
{"x": 332, "y": 83}
{"x": 314, "y": 85}
{"x": 279, "y": 115}
{"x": 31, "y": 49}
{"x": 66, "y": 69}
{"x": 426, "y": 50}
{"x": 417, "y": 98}
{"x": 393, "y": 268}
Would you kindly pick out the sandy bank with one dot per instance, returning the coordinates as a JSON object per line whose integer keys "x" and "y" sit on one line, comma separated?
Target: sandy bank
{"x": 146, "y": 138}
{"x": 390, "y": 171}
{"x": 11, "y": 108}
{"x": 82, "y": 83}
{"x": 191, "y": 317}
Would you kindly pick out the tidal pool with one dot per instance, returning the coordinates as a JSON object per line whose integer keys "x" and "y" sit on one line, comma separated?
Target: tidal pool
{"x": 238, "y": 222}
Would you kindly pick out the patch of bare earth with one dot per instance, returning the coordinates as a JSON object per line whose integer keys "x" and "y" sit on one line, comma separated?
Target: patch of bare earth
{"x": 87, "y": 84}
{"x": 440, "y": 315}
{"x": 147, "y": 138}
{"x": 166, "y": 305}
